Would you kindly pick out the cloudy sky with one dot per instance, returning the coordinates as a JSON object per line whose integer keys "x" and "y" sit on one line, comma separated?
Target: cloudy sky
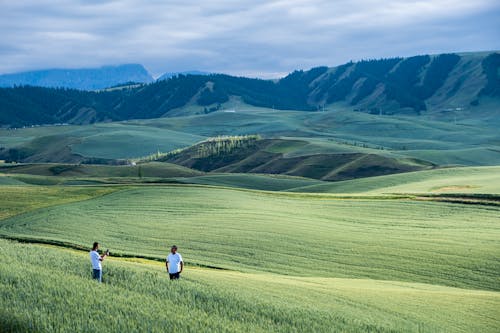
{"x": 250, "y": 37}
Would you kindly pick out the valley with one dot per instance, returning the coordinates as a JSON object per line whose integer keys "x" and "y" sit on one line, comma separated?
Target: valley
{"x": 366, "y": 201}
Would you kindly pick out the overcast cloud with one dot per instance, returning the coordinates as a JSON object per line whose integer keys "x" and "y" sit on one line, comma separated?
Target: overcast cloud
{"x": 251, "y": 38}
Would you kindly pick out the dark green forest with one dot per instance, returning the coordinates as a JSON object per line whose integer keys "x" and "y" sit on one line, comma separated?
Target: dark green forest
{"x": 408, "y": 82}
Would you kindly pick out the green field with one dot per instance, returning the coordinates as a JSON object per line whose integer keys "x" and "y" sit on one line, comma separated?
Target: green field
{"x": 467, "y": 142}
{"x": 269, "y": 232}
{"x": 484, "y": 180}
{"x": 267, "y": 251}
{"x": 152, "y": 169}
{"x": 256, "y": 261}
{"x": 138, "y": 297}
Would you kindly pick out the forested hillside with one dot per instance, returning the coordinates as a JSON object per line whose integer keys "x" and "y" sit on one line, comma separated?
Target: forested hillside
{"x": 386, "y": 86}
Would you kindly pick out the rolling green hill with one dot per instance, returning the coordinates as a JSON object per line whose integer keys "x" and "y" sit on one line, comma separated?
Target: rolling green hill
{"x": 358, "y": 265}
{"x": 377, "y": 210}
{"x": 469, "y": 141}
{"x": 362, "y": 260}
{"x": 137, "y": 297}
{"x": 159, "y": 170}
{"x": 446, "y": 83}
{"x": 233, "y": 155}
{"x": 266, "y": 232}
{"x": 99, "y": 143}
{"x": 483, "y": 180}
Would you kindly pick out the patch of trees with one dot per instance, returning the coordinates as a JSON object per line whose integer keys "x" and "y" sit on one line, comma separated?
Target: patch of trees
{"x": 436, "y": 74}
{"x": 216, "y": 95}
{"x": 223, "y": 145}
{"x": 401, "y": 83}
{"x": 491, "y": 68}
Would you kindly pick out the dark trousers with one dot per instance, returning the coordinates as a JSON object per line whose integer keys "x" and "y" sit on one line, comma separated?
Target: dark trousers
{"x": 97, "y": 275}
{"x": 174, "y": 276}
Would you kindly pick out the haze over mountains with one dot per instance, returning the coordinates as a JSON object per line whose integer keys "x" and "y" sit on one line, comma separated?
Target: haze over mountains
{"x": 84, "y": 79}
{"x": 387, "y": 86}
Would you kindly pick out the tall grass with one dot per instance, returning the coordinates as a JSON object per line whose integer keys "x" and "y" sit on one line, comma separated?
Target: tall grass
{"x": 298, "y": 234}
{"x": 48, "y": 289}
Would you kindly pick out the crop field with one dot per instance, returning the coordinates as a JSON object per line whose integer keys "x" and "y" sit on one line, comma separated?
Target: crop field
{"x": 484, "y": 180}
{"x": 152, "y": 169}
{"x": 245, "y": 230}
{"x": 252, "y": 181}
{"x": 256, "y": 261}
{"x": 138, "y": 297}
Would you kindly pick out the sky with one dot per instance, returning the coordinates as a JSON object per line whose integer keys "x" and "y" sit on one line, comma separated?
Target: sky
{"x": 254, "y": 38}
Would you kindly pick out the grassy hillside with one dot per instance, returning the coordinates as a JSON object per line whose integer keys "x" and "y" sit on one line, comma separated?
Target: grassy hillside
{"x": 266, "y": 156}
{"x": 19, "y": 199}
{"x": 485, "y": 180}
{"x": 472, "y": 141}
{"x": 100, "y": 143}
{"x": 251, "y": 181}
{"x": 367, "y": 263}
{"x": 270, "y": 289}
{"x": 136, "y": 296}
{"x": 151, "y": 169}
{"x": 122, "y": 140}
{"x": 247, "y": 231}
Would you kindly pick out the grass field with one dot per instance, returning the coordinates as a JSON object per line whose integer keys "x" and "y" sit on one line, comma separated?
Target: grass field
{"x": 367, "y": 271}
{"x": 137, "y": 297}
{"x": 485, "y": 180}
{"x": 151, "y": 169}
{"x": 284, "y": 233}
{"x": 252, "y": 181}
{"x": 358, "y": 259}
{"x": 467, "y": 142}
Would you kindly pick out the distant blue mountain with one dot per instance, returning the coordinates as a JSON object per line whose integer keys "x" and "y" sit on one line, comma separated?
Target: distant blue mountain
{"x": 82, "y": 79}
{"x": 169, "y": 75}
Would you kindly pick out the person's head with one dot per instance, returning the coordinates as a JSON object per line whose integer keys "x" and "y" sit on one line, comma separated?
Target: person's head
{"x": 95, "y": 246}
{"x": 173, "y": 249}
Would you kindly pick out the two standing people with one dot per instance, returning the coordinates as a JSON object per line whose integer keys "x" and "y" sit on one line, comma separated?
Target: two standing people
{"x": 174, "y": 262}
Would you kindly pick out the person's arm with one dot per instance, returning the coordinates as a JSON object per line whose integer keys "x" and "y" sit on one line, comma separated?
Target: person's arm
{"x": 166, "y": 264}
{"x": 101, "y": 258}
{"x": 182, "y": 266}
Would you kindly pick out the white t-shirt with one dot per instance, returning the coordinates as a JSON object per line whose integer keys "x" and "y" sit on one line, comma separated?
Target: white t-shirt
{"x": 174, "y": 261}
{"x": 95, "y": 259}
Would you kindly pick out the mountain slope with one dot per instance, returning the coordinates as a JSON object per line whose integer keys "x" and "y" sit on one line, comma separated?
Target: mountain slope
{"x": 84, "y": 79}
{"x": 255, "y": 155}
{"x": 433, "y": 84}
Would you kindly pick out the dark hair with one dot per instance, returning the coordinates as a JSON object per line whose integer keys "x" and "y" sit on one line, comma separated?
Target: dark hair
{"x": 95, "y": 245}
{"x": 174, "y": 247}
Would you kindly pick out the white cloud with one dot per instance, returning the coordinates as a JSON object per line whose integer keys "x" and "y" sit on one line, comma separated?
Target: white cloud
{"x": 245, "y": 37}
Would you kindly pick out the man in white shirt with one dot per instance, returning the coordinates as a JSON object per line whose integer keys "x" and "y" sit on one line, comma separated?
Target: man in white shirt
{"x": 96, "y": 259}
{"x": 174, "y": 263}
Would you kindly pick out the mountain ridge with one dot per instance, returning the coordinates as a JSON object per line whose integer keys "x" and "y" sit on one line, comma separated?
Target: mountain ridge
{"x": 82, "y": 78}
{"x": 168, "y": 75}
{"x": 414, "y": 85}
